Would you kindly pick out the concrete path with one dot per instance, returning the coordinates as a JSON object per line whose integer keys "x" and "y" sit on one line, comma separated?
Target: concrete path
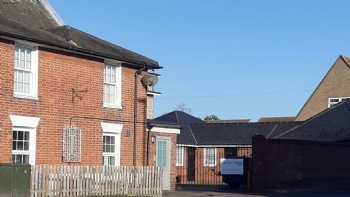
{"x": 272, "y": 194}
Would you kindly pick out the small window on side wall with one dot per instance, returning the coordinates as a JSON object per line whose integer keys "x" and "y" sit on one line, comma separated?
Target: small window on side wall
{"x": 334, "y": 101}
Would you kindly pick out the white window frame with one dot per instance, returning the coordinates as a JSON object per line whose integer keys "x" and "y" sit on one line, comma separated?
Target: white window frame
{"x": 28, "y": 152}
{"x": 110, "y": 129}
{"x": 205, "y": 163}
{"x": 33, "y": 87}
{"x": 118, "y": 87}
{"x": 330, "y": 103}
{"x": 109, "y": 154}
{"x": 180, "y": 160}
{"x": 24, "y": 123}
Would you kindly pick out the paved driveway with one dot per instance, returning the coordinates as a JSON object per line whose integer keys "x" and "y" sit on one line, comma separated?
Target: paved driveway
{"x": 303, "y": 193}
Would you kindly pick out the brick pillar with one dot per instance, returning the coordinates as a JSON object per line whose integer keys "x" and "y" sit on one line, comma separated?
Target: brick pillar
{"x": 258, "y": 169}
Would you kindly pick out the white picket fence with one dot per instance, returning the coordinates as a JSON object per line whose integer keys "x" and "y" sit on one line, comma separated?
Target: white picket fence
{"x": 64, "y": 180}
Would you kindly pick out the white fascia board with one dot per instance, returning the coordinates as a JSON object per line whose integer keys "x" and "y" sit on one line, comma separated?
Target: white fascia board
{"x": 216, "y": 146}
{"x": 153, "y": 93}
{"x": 165, "y": 130}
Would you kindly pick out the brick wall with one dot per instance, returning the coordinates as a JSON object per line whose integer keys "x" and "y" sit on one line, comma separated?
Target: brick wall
{"x": 205, "y": 174}
{"x": 283, "y": 163}
{"x": 59, "y": 73}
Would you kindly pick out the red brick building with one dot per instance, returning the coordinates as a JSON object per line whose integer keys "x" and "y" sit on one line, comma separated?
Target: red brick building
{"x": 203, "y": 146}
{"x": 68, "y": 97}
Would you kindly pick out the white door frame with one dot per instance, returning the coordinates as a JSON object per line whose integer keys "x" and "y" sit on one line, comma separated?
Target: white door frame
{"x": 167, "y": 171}
{"x": 30, "y": 124}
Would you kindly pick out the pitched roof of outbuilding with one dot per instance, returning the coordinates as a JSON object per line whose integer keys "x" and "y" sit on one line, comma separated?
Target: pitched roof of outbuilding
{"x": 331, "y": 125}
{"x": 277, "y": 119}
{"x": 237, "y": 133}
{"x": 228, "y": 121}
{"x": 182, "y": 119}
{"x": 30, "y": 20}
{"x": 177, "y": 117}
{"x": 195, "y": 131}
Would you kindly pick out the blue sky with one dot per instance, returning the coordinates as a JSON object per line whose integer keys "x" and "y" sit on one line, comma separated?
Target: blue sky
{"x": 232, "y": 58}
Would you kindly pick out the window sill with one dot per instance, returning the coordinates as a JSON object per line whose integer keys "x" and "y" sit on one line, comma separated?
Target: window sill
{"x": 111, "y": 106}
{"x": 28, "y": 97}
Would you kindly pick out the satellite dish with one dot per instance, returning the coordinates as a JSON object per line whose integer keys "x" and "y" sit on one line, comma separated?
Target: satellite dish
{"x": 149, "y": 80}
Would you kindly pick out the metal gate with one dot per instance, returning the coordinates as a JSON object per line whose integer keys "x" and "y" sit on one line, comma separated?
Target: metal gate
{"x": 14, "y": 180}
{"x": 201, "y": 168}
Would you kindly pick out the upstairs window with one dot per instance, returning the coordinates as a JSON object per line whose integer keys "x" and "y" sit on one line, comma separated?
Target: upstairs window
{"x": 334, "y": 101}
{"x": 210, "y": 157}
{"x": 112, "y": 86}
{"x": 26, "y": 72}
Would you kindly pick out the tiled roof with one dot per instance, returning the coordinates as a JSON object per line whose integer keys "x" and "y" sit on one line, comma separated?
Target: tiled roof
{"x": 277, "y": 119}
{"x": 237, "y": 133}
{"x": 30, "y": 20}
{"x": 182, "y": 119}
{"x": 194, "y": 131}
{"x": 331, "y": 125}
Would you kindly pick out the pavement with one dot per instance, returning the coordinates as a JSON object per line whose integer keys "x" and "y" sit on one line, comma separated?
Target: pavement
{"x": 329, "y": 188}
{"x": 270, "y": 194}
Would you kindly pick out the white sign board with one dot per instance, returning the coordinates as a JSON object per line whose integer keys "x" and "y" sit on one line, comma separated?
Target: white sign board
{"x": 232, "y": 166}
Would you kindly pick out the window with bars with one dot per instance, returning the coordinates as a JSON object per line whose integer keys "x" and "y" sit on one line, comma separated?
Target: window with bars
{"x": 71, "y": 144}
{"x": 334, "y": 101}
{"x": 25, "y": 74}
{"x": 209, "y": 157}
{"x": 20, "y": 146}
{"x": 112, "y": 86}
{"x": 109, "y": 150}
{"x": 180, "y": 155}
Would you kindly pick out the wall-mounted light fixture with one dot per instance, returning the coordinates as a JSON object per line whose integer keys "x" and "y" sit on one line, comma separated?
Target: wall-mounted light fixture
{"x": 153, "y": 139}
{"x": 127, "y": 133}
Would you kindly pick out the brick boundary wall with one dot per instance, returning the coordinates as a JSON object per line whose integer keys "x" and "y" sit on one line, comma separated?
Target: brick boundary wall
{"x": 285, "y": 163}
